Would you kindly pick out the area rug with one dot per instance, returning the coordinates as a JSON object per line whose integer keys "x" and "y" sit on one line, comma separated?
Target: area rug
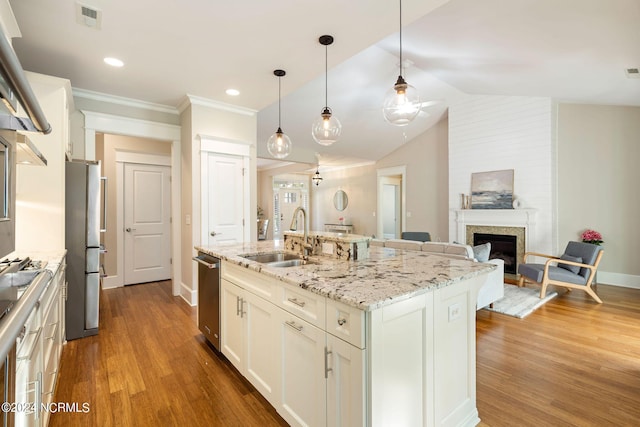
{"x": 520, "y": 302}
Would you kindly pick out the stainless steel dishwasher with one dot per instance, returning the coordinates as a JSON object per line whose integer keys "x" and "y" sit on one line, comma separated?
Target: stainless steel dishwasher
{"x": 209, "y": 297}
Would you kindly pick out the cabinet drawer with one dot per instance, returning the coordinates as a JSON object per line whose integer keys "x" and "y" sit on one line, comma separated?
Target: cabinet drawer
{"x": 304, "y": 304}
{"x": 256, "y": 283}
{"x": 346, "y": 322}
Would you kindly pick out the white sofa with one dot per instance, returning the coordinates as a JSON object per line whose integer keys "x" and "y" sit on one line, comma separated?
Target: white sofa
{"x": 491, "y": 291}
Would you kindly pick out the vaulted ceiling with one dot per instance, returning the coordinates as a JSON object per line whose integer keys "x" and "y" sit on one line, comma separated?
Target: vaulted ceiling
{"x": 569, "y": 50}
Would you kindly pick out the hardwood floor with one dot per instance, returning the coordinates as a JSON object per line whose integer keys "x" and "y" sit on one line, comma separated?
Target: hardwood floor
{"x": 150, "y": 366}
{"x": 571, "y": 363}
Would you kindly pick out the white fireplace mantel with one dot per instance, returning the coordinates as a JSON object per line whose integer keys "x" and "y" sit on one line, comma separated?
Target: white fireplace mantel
{"x": 525, "y": 218}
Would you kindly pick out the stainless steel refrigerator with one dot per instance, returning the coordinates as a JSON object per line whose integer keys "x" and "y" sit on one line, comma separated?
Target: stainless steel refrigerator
{"x": 82, "y": 238}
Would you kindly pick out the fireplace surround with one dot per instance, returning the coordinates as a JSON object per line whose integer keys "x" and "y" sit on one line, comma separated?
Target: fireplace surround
{"x": 520, "y": 223}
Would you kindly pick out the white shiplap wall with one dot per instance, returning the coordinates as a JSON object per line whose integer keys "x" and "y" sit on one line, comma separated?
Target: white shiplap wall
{"x": 489, "y": 133}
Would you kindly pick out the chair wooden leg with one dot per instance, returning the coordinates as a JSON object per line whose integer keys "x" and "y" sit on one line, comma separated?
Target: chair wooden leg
{"x": 593, "y": 294}
{"x": 543, "y": 289}
{"x": 521, "y": 281}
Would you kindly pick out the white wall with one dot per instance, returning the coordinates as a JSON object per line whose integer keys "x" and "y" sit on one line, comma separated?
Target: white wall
{"x": 488, "y": 133}
{"x": 40, "y": 190}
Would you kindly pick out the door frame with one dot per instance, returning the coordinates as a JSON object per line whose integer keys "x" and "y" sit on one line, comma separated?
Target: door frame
{"x": 388, "y": 172}
{"x": 123, "y": 157}
{"x": 95, "y": 122}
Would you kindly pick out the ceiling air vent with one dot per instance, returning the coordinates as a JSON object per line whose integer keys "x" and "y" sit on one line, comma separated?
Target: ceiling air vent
{"x": 633, "y": 73}
{"x": 88, "y": 16}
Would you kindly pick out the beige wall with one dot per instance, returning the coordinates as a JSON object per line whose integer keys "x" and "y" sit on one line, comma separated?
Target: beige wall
{"x": 598, "y": 176}
{"x": 228, "y": 124}
{"x": 426, "y": 161}
{"x": 106, "y": 148}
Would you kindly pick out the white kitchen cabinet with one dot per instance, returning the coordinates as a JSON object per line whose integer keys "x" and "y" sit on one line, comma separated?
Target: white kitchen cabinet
{"x": 275, "y": 335}
{"x": 232, "y": 334}
{"x": 248, "y": 337}
{"x": 38, "y": 352}
{"x": 346, "y": 389}
{"x": 302, "y": 379}
{"x": 411, "y": 362}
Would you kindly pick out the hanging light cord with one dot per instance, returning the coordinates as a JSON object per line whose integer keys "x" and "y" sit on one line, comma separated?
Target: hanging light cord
{"x": 279, "y": 78}
{"x": 326, "y": 79}
{"x": 401, "y": 37}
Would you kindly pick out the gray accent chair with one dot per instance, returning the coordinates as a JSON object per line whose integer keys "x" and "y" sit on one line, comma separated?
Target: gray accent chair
{"x": 420, "y": 236}
{"x": 575, "y": 269}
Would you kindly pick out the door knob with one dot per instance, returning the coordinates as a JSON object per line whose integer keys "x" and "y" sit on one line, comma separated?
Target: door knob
{"x": 129, "y": 229}
{"x": 213, "y": 233}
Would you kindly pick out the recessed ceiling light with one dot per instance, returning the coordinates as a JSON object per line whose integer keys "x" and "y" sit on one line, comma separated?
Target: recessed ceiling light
{"x": 232, "y": 92}
{"x": 114, "y": 62}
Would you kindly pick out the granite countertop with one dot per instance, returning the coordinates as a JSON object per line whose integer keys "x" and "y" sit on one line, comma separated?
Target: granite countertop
{"x": 387, "y": 276}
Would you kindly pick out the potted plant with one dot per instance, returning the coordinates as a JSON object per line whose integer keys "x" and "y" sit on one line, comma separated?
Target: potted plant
{"x": 591, "y": 236}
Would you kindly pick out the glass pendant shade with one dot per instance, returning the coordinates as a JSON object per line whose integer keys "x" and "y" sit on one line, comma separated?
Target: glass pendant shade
{"x": 401, "y": 103}
{"x": 326, "y": 129}
{"x": 279, "y": 145}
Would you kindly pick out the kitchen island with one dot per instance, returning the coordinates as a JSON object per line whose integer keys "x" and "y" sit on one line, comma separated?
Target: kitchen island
{"x": 386, "y": 340}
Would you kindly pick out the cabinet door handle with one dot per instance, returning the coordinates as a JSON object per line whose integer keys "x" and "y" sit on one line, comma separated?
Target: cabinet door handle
{"x": 327, "y": 369}
{"x": 237, "y": 306}
{"x": 242, "y": 312}
{"x": 293, "y": 325}
{"x": 296, "y": 302}
{"x": 342, "y": 321}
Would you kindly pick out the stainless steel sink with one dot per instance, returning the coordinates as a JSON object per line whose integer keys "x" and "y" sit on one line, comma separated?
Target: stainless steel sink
{"x": 272, "y": 257}
{"x": 290, "y": 263}
{"x": 279, "y": 259}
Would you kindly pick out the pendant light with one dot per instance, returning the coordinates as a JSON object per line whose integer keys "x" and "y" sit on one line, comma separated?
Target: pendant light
{"x": 402, "y": 102}
{"x": 279, "y": 145}
{"x": 326, "y": 129}
{"x": 316, "y": 178}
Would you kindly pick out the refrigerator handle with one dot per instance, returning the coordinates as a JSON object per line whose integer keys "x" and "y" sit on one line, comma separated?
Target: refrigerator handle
{"x": 104, "y": 203}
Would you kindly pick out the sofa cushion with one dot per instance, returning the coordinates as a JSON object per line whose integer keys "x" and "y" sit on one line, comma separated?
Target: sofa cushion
{"x": 436, "y": 247}
{"x": 481, "y": 252}
{"x": 403, "y": 244}
{"x": 575, "y": 269}
{"x": 459, "y": 249}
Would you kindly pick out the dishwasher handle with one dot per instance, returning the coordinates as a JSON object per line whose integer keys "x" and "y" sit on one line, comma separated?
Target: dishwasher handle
{"x": 205, "y": 263}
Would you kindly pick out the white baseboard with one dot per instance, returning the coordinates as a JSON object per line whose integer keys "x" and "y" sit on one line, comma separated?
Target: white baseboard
{"x": 111, "y": 282}
{"x": 188, "y": 294}
{"x": 619, "y": 279}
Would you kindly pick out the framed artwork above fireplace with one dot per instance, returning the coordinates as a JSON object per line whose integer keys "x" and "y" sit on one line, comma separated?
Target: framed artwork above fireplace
{"x": 492, "y": 190}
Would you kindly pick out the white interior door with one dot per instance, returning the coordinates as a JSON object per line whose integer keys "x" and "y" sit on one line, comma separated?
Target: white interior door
{"x": 391, "y": 200}
{"x": 225, "y": 189}
{"x": 147, "y": 223}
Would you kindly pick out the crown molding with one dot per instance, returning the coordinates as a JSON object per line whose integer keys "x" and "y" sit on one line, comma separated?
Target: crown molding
{"x": 210, "y": 103}
{"x": 120, "y": 100}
